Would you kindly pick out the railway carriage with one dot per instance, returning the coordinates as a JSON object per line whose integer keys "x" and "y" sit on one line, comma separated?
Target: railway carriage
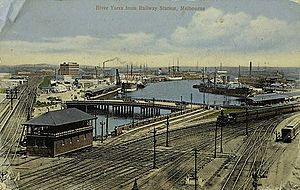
{"x": 289, "y": 132}
{"x": 261, "y": 113}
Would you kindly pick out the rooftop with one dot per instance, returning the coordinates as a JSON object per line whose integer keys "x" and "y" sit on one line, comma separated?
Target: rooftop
{"x": 60, "y": 117}
{"x": 268, "y": 97}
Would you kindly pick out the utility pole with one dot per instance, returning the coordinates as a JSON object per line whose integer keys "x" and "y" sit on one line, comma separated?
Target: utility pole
{"x": 181, "y": 103}
{"x": 196, "y": 179}
{"x": 247, "y": 115}
{"x": 102, "y": 124}
{"x": 191, "y": 101}
{"x": 106, "y": 125}
{"x": 154, "y": 148}
{"x": 95, "y": 127}
{"x": 132, "y": 116}
{"x": 11, "y": 94}
{"x": 167, "y": 137}
{"x": 222, "y": 121}
{"x": 216, "y": 133}
{"x": 152, "y": 112}
{"x": 255, "y": 178}
{"x": 203, "y": 86}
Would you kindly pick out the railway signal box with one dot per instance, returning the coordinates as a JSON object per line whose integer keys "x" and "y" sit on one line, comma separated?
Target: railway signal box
{"x": 59, "y": 132}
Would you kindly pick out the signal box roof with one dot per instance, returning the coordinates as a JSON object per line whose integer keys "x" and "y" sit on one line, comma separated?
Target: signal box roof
{"x": 60, "y": 117}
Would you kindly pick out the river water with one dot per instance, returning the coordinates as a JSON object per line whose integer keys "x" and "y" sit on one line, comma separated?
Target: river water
{"x": 170, "y": 90}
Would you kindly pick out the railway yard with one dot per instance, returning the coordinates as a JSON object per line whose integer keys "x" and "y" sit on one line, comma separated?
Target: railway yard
{"x": 116, "y": 166}
{"x": 239, "y": 155}
{"x": 11, "y": 129}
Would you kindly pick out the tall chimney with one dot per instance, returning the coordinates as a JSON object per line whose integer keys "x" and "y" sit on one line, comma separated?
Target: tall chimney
{"x": 250, "y": 71}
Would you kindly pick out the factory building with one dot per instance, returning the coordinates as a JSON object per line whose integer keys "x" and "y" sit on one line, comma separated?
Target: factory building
{"x": 70, "y": 68}
{"x": 59, "y": 132}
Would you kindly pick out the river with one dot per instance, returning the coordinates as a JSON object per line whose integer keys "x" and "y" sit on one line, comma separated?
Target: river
{"x": 170, "y": 90}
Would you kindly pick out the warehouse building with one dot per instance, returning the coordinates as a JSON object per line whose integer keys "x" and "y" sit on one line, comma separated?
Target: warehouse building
{"x": 70, "y": 68}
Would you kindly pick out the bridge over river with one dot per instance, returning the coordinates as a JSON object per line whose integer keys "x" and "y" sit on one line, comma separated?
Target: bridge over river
{"x": 127, "y": 107}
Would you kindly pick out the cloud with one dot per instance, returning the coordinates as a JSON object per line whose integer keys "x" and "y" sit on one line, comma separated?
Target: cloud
{"x": 131, "y": 42}
{"x": 214, "y": 28}
{"x": 125, "y": 42}
{"x": 209, "y": 26}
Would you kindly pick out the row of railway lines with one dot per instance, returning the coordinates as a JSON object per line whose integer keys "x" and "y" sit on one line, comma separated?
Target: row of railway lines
{"x": 11, "y": 128}
{"x": 176, "y": 122}
{"x": 115, "y": 166}
{"x": 252, "y": 157}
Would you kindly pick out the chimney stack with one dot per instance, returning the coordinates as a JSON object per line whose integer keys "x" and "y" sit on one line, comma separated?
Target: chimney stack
{"x": 250, "y": 71}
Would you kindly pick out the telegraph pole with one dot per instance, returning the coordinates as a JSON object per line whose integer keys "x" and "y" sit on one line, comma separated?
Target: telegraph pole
{"x": 203, "y": 86}
{"x": 181, "y": 103}
{"x": 102, "y": 124}
{"x": 153, "y": 102}
{"x": 191, "y": 100}
{"x": 154, "y": 148}
{"x": 247, "y": 114}
{"x": 167, "y": 137}
{"x": 255, "y": 178}
{"x": 216, "y": 133}
{"x": 196, "y": 179}
{"x": 95, "y": 127}
{"x": 106, "y": 126}
{"x": 222, "y": 122}
{"x": 11, "y": 94}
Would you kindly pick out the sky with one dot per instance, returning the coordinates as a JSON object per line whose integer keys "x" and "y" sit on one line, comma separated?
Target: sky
{"x": 194, "y": 32}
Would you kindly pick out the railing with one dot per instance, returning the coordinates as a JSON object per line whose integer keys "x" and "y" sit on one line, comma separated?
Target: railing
{"x": 64, "y": 133}
{"x": 124, "y": 103}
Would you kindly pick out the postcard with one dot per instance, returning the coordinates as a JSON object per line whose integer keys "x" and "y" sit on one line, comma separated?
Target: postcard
{"x": 149, "y": 94}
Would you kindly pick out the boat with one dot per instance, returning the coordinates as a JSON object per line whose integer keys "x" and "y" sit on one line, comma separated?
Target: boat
{"x": 174, "y": 78}
{"x": 140, "y": 84}
{"x": 230, "y": 88}
{"x": 103, "y": 92}
{"x": 129, "y": 85}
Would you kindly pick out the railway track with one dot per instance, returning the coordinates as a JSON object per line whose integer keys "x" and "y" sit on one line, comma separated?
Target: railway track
{"x": 110, "y": 164}
{"x": 115, "y": 166}
{"x": 252, "y": 153}
{"x": 11, "y": 130}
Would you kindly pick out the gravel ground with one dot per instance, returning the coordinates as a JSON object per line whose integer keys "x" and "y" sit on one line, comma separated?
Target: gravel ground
{"x": 285, "y": 172}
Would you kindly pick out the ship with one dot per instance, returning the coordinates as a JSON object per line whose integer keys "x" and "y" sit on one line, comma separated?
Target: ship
{"x": 229, "y": 89}
{"x": 103, "y": 92}
{"x": 129, "y": 85}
